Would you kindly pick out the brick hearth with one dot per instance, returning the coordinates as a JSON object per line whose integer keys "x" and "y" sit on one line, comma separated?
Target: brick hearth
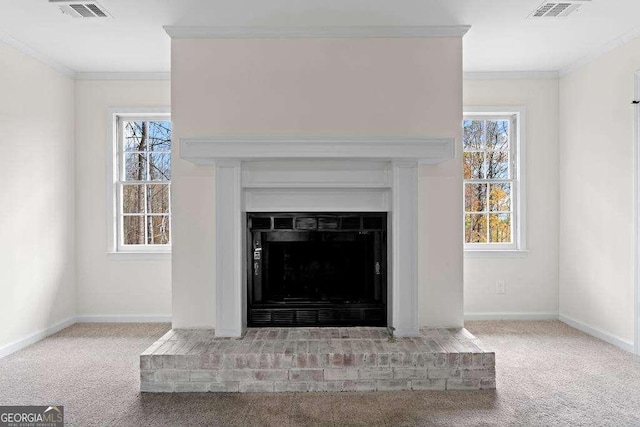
{"x": 316, "y": 359}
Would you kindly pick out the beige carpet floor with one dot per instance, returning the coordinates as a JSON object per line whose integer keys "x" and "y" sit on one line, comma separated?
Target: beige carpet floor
{"x": 547, "y": 373}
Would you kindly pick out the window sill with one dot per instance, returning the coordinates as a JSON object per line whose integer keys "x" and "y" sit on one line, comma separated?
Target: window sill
{"x": 496, "y": 253}
{"x": 139, "y": 255}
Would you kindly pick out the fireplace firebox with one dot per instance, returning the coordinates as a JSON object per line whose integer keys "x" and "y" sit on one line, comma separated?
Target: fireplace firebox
{"x": 317, "y": 269}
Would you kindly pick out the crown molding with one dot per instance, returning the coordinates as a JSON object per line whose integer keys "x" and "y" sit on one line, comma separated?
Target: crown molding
{"x": 602, "y": 50}
{"x": 511, "y": 75}
{"x": 318, "y": 32}
{"x": 27, "y": 50}
{"x": 424, "y": 150}
{"x": 473, "y": 75}
{"x": 123, "y": 76}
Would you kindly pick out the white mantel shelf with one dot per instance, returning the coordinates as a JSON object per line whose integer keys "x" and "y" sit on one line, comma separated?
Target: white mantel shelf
{"x": 423, "y": 150}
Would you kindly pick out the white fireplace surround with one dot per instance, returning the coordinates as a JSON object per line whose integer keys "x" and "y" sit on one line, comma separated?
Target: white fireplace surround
{"x": 316, "y": 173}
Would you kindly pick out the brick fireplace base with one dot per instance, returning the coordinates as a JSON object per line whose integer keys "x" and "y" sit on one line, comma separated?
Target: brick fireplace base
{"x": 316, "y": 359}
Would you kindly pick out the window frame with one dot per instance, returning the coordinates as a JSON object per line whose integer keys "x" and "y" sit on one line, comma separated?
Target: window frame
{"x": 115, "y": 242}
{"x": 517, "y": 163}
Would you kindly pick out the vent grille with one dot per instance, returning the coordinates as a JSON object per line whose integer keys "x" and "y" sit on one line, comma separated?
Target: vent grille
{"x": 351, "y": 223}
{"x": 81, "y": 8}
{"x": 306, "y": 223}
{"x": 328, "y": 223}
{"x": 96, "y": 10}
{"x": 557, "y": 9}
{"x": 258, "y": 223}
{"x": 372, "y": 223}
{"x": 283, "y": 223}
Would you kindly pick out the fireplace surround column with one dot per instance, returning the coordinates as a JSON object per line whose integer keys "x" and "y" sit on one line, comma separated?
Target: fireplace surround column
{"x": 230, "y": 269}
{"x": 404, "y": 248}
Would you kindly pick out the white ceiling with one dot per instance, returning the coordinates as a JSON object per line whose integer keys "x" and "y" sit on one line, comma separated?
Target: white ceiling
{"x": 501, "y": 37}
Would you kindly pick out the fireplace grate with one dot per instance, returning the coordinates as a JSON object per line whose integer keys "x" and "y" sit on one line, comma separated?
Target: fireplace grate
{"x": 347, "y": 316}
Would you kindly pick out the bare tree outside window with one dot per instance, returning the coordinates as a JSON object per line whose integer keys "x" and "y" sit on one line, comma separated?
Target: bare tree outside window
{"x": 145, "y": 182}
{"x": 488, "y": 180}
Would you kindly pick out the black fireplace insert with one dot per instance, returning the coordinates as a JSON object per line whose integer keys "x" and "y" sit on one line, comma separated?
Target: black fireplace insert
{"x": 317, "y": 269}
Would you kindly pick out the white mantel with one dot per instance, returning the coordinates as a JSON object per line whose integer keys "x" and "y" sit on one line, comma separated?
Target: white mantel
{"x": 321, "y": 173}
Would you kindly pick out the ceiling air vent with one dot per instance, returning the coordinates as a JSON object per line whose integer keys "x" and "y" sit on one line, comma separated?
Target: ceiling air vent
{"x": 557, "y": 9}
{"x": 81, "y": 8}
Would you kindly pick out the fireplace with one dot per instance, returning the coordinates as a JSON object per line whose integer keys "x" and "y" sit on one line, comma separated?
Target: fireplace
{"x": 320, "y": 269}
{"x": 347, "y": 192}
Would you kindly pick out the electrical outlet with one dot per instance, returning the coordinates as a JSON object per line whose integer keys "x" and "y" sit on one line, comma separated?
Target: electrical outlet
{"x": 501, "y": 287}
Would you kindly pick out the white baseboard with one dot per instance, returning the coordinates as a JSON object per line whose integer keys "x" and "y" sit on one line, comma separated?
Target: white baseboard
{"x": 604, "y": 336}
{"x": 14, "y": 346}
{"x": 39, "y": 335}
{"x": 600, "y": 334}
{"x": 511, "y": 316}
{"x": 116, "y": 318}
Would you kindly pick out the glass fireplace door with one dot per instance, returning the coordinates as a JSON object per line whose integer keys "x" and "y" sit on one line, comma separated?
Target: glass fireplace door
{"x": 316, "y": 269}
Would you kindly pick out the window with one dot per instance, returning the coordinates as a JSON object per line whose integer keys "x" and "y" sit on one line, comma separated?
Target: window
{"x": 492, "y": 181}
{"x": 142, "y": 183}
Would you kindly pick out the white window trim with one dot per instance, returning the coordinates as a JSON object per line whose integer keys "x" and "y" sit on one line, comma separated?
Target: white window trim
{"x": 148, "y": 251}
{"x": 519, "y": 248}
{"x": 636, "y": 196}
